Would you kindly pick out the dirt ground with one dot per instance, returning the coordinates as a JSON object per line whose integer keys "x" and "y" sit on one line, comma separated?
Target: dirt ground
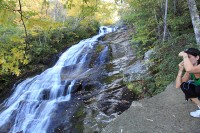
{"x": 167, "y": 112}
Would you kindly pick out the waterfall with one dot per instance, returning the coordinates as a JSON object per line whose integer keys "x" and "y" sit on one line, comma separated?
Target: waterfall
{"x": 30, "y": 107}
{"x": 103, "y": 56}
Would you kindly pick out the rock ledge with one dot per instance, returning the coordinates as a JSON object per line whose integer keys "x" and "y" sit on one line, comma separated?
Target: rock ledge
{"x": 166, "y": 112}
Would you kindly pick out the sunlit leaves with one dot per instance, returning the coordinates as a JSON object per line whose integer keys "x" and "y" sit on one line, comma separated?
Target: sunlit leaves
{"x": 141, "y": 14}
{"x": 101, "y": 11}
{"x": 7, "y": 18}
{"x": 12, "y": 50}
{"x": 50, "y": 25}
{"x": 10, "y": 61}
{"x": 2, "y": 60}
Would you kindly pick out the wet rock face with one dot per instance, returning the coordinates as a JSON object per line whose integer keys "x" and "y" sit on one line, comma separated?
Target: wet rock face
{"x": 63, "y": 116}
{"x": 101, "y": 88}
{"x": 115, "y": 101}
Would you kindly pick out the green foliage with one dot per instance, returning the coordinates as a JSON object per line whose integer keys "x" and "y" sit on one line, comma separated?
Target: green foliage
{"x": 142, "y": 16}
{"x": 147, "y": 18}
{"x": 99, "y": 48}
{"x": 165, "y": 63}
{"x": 12, "y": 50}
{"x": 49, "y": 39}
{"x": 136, "y": 87}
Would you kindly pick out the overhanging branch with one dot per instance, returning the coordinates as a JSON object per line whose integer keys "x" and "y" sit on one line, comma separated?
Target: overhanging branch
{"x": 25, "y": 29}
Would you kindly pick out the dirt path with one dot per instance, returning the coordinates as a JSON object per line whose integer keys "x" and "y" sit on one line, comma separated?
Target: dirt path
{"x": 167, "y": 112}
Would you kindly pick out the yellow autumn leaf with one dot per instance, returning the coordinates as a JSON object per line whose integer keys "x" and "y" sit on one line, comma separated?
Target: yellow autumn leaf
{"x": 25, "y": 61}
{"x": 1, "y": 61}
{"x": 16, "y": 71}
{"x": 17, "y": 54}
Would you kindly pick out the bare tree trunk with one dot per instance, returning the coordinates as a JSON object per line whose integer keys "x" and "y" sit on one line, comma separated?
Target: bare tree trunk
{"x": 195, "y": 19}
{"x": 162, "y": 6}
{"x": 175, "y": 4}
{"x": 55, "y": 10}
{"x": 165, "y": 20}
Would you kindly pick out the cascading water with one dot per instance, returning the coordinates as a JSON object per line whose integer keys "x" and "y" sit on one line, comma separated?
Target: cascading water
{"x": 32, "y": 106}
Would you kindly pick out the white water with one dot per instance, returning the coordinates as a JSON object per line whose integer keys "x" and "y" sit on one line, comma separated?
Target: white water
{"x": 27, "y": 108}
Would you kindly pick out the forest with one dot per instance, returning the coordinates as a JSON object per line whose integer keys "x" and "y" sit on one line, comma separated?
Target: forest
{"x": 33, "y": 32}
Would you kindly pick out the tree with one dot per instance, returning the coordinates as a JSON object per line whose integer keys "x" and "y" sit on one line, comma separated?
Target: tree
{"x": 31, "y": 29}
{"x": 165, "y": 20}
{"x": 195, "y": 19}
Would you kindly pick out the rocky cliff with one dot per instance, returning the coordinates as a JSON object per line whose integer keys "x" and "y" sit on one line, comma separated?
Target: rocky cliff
{"x": 103, "y": 88}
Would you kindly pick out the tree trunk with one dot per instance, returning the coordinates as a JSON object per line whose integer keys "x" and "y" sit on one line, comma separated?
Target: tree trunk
{"x": 165, "y": 20}
{"x": 195, "y": 19}
{"x": 175, "y": 4}
{"x": 55, "y": 14}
